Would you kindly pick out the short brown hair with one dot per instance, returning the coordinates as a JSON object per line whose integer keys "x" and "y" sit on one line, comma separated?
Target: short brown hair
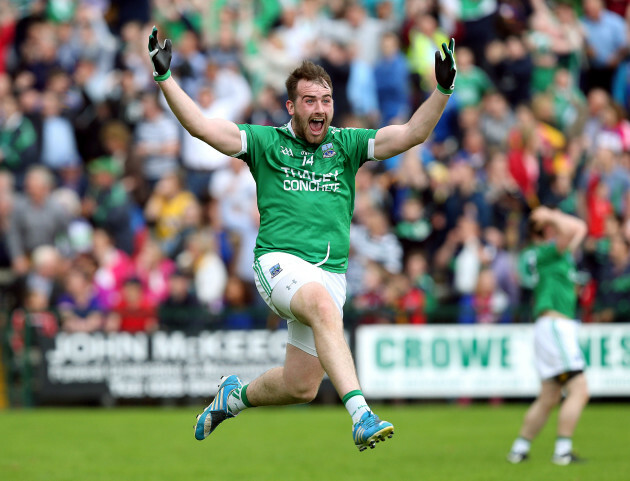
{"x": 307, "y": 71}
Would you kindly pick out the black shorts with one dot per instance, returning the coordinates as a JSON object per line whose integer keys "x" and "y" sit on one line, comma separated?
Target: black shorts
{"x": 565, "y": 377}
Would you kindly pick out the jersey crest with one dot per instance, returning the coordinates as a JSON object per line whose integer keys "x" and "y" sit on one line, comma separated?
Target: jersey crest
{"x": 328, "y": 150}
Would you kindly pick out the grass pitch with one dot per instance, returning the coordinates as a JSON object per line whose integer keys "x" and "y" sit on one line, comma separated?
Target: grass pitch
{"x": 444, "y": 442}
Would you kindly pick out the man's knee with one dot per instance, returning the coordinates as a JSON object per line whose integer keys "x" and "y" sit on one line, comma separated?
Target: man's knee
{"x": 302, "y": 374}
{"x": 578, "y": 388}
{"x": 303, "y": 392}
{"x": 313, "y": 304}
{"x": 548, "y": 402}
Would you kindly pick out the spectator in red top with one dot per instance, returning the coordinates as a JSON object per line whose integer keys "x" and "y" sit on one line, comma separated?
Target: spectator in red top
{"x": 598, "y": 207}
{"x": 411, "y": 302}
{"x": 134, "y": 312}
{"x": 7, "y": 32}
{"x": 521, "y": 153}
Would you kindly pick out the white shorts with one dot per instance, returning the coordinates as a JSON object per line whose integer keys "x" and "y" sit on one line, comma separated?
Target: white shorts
{"x": 278, "y": 277}
{"x": 556, "y": 346}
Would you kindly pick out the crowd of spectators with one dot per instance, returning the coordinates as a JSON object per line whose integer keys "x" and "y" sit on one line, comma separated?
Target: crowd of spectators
{"x": 113, "y": 218}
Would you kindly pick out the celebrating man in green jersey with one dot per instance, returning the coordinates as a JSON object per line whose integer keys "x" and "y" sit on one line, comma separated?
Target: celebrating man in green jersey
{"x": 304, "y": 173}
{"x": 559, "y": 360}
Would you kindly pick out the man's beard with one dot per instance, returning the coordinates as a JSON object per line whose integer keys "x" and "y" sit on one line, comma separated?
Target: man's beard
{"x": 302, "y": 129}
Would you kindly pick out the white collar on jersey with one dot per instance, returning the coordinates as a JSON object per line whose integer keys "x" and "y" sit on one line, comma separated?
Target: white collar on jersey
{"x": 290, "y": 127}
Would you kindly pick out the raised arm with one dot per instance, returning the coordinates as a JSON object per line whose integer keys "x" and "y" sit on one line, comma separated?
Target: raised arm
{"x": 221, "y": 134}
{"x": 571, "y": 230}
{"x": 395, "y": 139}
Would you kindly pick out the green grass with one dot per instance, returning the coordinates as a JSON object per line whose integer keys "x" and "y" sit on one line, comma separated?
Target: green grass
{"x": 442, "y": 442}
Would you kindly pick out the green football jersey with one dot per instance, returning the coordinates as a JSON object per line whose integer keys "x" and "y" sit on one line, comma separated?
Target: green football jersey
{"x": 554, "y": 289}
{"x": 305, "y": 192}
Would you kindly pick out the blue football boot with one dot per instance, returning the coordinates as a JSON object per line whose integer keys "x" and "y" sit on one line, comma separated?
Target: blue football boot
{"x": 369, "y": 430}
{"x": 218, "y": 410}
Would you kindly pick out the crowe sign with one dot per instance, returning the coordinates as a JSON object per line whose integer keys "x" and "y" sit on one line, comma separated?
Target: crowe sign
{"x": 479, "y": 360}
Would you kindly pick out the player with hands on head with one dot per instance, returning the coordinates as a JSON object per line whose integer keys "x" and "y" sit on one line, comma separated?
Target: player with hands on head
{"x": 559, "y": 361}
{"x": 305, "y": 176}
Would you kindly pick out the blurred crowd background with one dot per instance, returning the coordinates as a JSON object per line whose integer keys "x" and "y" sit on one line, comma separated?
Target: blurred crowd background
{"x": 113, "y": 218}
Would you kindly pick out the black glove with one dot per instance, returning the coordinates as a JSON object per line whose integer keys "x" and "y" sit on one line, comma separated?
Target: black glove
{"x": 160, "y": 56}
{"x": 445, "y": 68}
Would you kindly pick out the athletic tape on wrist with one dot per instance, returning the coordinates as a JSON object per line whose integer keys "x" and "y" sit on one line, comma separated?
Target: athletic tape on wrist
{"x": 161, "y": 78}
{"x": 445, "y": 91}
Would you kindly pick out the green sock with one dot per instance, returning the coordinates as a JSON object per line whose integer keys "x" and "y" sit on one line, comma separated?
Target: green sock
{"x": 237, "y": 400}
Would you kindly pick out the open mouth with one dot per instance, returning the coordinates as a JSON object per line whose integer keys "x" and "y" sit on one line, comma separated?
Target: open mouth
{"x": 316, "y": 125}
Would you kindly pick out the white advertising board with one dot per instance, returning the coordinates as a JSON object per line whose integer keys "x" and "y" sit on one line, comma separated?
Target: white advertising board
{"x": 436, "y": 361}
